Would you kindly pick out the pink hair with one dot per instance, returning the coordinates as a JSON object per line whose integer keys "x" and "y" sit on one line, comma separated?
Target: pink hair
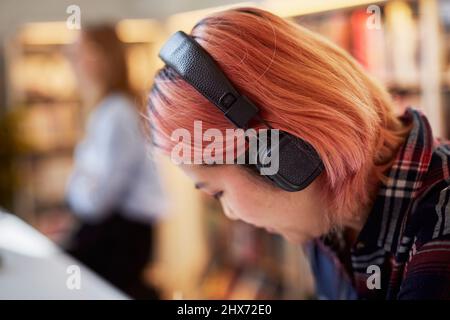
{"x": 303, "y": 84}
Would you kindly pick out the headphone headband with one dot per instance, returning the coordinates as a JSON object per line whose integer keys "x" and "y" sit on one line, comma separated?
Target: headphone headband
{"x": 183, "y": 54}
{"x": 299, "y": 163}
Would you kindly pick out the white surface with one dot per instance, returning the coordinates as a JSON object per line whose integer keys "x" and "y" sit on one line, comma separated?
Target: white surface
{"x": 32, "y": 267}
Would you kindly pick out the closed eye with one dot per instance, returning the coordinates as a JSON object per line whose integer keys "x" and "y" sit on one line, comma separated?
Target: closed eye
{"x": 202, "y": 185}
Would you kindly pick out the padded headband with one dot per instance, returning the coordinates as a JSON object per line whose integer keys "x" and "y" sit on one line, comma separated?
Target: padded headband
{"x": 197, "y": 67}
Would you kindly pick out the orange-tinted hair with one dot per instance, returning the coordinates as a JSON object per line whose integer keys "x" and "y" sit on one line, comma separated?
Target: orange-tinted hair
{"x": 303, "y": 84}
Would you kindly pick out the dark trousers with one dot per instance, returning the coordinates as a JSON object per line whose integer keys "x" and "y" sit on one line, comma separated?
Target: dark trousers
{"x": 118, "y": 249}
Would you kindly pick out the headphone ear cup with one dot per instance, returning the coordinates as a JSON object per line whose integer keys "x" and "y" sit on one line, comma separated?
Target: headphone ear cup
{"x": 292, "y": 163}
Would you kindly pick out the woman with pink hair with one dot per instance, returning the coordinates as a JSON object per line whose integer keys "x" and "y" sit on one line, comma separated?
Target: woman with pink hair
{"x": 366, "y": 192}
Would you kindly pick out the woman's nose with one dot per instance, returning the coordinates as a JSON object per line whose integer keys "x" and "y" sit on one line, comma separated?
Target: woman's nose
{"x": 229, "y": 213}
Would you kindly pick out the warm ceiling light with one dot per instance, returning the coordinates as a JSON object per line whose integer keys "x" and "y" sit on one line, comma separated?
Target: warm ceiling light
{"x": 138, "y": 30}
{"x": 186, "y": 20}
{"x": 44, "y": 33}
{"x": 289, "y": 8}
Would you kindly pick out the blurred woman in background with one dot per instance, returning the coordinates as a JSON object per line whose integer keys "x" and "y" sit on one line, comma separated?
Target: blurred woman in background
{"x": 114, "y": 188}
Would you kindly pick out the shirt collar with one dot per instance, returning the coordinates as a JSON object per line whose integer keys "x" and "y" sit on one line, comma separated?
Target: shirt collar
{"x": 405, "y": 177}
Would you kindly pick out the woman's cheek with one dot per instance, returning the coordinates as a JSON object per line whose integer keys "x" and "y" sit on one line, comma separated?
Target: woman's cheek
{"x": 245, "y": 211}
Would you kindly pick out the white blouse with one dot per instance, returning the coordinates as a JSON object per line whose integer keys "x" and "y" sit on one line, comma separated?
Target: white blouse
{"x": 113, "y": 166}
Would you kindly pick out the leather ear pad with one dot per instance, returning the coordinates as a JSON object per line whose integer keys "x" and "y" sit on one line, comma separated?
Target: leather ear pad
{"x": 299, "y": 163}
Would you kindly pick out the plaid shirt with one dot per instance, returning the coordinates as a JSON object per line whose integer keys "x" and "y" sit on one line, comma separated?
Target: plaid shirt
{"x": 405, "y": 243}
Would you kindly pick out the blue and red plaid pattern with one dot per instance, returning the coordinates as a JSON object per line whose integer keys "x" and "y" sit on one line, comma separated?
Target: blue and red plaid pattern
{"x": 407, "y": 233}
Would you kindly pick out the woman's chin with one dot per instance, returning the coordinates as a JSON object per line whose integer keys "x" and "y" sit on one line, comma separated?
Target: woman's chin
{"x": 295, "y": 238}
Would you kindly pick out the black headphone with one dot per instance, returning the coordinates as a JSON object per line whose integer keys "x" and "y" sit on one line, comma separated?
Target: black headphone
{"x": 299, "y": 162}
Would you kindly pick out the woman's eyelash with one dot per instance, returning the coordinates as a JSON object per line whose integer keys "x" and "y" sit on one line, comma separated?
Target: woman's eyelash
{"x": 217, "y": 195}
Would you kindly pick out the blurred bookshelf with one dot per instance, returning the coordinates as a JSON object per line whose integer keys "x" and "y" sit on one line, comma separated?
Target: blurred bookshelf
{"x": 408, "y": 52}
{"x": 45, "y": 116}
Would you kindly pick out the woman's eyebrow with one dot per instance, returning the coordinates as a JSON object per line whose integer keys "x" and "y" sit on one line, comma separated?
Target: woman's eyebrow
{"x": 200, "y": 185}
